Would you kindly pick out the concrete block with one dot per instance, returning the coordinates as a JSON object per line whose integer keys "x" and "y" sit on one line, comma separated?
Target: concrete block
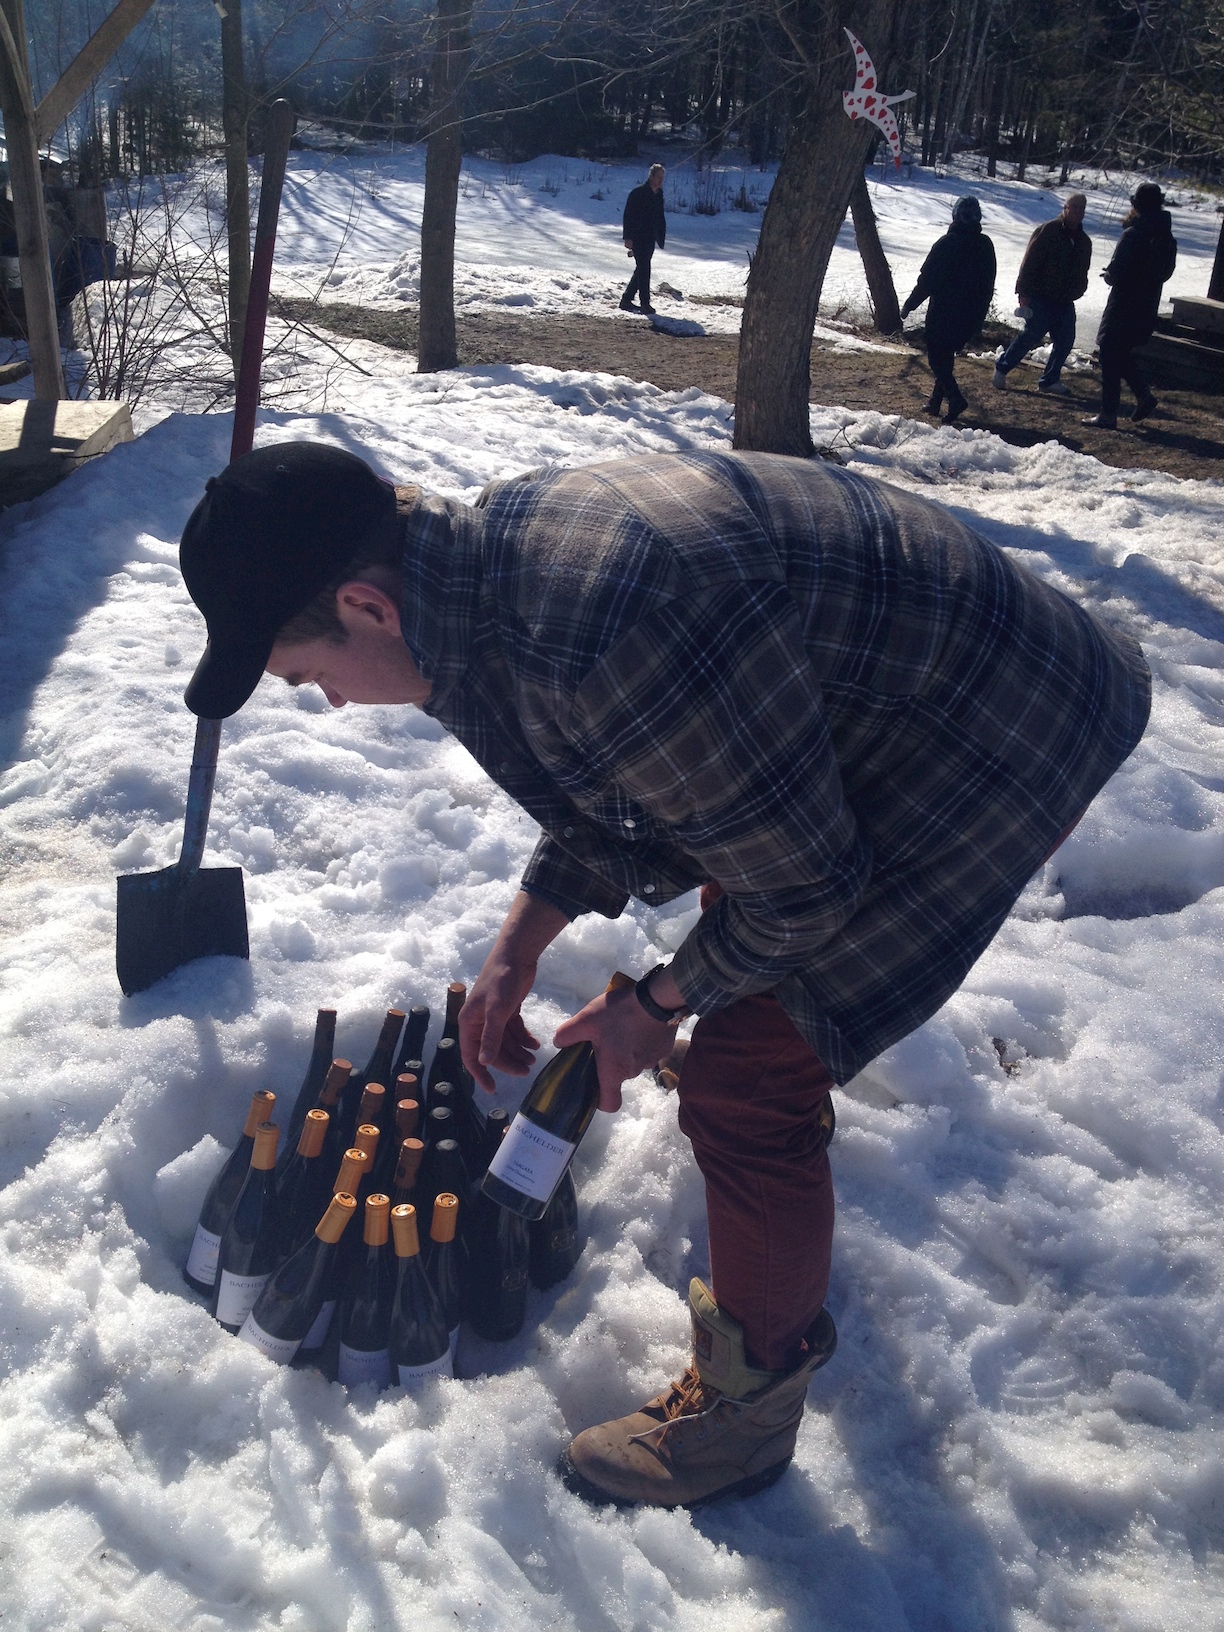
{"x": 1197, "y": 312}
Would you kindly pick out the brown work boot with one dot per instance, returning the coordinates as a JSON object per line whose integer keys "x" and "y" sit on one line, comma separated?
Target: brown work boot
{"x": 725, "y": 1429}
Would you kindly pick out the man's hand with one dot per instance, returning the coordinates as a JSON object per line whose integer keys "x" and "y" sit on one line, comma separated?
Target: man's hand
{"x": 626, "y": 1040}
{"x": 491, "y": 1029}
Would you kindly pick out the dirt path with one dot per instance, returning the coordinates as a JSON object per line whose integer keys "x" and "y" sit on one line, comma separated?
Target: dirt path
{"x": 1184, "y": 438}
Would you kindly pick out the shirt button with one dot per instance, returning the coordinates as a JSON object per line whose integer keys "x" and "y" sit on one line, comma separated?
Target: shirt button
{"x": 647, "y": 889}
{"x": 567, "y": 832}
{"x": 629, "y": 822}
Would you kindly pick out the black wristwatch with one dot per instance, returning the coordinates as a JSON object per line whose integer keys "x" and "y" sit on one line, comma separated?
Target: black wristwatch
{"x": 656, "y": 1011}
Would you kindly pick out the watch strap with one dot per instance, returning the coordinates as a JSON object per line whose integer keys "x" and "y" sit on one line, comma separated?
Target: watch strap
{"x": 656, "y": 1011}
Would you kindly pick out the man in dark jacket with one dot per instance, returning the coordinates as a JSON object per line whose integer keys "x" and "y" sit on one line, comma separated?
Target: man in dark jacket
{"x": 860, "y": 727}
{"x": 645, "y": 225}
{"x": 1142, "y": 263}
{"x": 1053, "y": 275}
{"x": 958, "y": 278}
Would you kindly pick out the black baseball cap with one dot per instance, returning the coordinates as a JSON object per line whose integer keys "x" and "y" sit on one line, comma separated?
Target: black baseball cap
{"x": 272, "y": 530}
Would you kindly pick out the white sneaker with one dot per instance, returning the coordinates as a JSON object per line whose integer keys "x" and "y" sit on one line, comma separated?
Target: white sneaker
{"x": 1058, "y": 389}
{"x": 999, "y": 379}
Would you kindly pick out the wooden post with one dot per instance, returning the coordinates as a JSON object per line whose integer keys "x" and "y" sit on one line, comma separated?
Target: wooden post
{"x": 235, "y": 111}
{"x": 25, "y": 179}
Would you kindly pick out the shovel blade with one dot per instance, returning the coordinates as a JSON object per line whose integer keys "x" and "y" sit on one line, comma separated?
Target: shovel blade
{"x": 169, "y": 918}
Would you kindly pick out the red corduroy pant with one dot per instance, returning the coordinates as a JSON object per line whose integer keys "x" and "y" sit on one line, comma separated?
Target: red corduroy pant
{"x": 750, "y": 1093}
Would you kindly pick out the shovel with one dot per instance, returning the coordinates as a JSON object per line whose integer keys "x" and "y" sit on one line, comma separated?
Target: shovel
{"x": 168, "y": 918}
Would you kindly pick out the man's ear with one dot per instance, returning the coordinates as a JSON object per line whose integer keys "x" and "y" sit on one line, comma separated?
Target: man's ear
{"x": 361, "y": 605}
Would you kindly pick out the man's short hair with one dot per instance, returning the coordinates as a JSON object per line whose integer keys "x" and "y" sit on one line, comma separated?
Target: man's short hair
{"x": 657, "y": 170}
{"x": 319, "y": 620}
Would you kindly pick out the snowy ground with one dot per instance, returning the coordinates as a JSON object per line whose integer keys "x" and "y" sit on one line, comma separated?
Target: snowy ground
{"x": 1022, "y": 1426}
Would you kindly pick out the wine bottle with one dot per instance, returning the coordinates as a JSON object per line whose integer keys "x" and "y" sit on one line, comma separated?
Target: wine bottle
{"x": 329, "y": 1101}
{"x": 373, "y": 1105}
{"x": 312, "y": 1083}
{"x": 292, "y": 1299}
{"x": 498, "y": 1247}
{"x": 200, "y": 1270}
{"x": 447, "y": 1066}
{"x": 248, "y": 1252}
{"x": 413, "y": 1040}
{"x": 365, "y": 1311}
{"x": 544, "y": 1135}
{"x": 406, "y": 1169}
{"x": 420, "y": 1342}
{"x": 456, "y": 997}
{"x": 442, "y": 1262}
{"x": 468, "y": 1124}
{"x": 556, "y": 1245}
{"x": 303, "y": 1184}
{"x": 442, "y": 1168}
{"x": 407, "y": 1107}
{"x": 403, "y": 1125}
{"x": 365, "y": 1138}
{"x": 354, "y": 1167}
{"x": 378, "y": 1069}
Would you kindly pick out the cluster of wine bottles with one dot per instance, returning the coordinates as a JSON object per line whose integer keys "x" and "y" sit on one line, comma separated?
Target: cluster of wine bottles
{"x": 381, "y": 1300}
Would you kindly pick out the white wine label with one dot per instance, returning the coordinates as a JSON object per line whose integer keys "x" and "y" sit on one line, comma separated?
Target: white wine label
{"x": 236, "y": 1297}
{"x": 443, "y": 1366}
{"x": 202, "y": 1259}
{"x": 280, "y": 1349}
{"x": 318, "y": 1331}
{"x": 530, "y": 1160}
{"x": 357, "y": 1366}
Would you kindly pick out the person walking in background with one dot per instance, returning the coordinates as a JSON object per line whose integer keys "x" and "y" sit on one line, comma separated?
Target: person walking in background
{"x": 644, "y": 226}
{"x": 1143, "y": 261}
{"x": 958, "y": 278}
{"x": 1053, "y": 276}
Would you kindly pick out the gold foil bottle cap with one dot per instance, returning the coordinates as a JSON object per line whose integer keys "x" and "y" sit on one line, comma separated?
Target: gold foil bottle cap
{"x": 260, "y": 1111}
{"x": 263, "y": 1156}
{"x": 404, "y": 1230}
{"x": 338, "y": 1073}
{"x": 377, "y": 1218}
{"x": 445, "y": 1217}
{"x": 313, "y": 1134}
{"x": 366, "y": 1138}
{"x": 334, "y": 1221}
{"x": 354, "y": 1164}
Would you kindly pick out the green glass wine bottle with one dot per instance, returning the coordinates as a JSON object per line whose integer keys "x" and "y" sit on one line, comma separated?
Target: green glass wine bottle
{"x": 420, "y": 1342}
{"x": 365, "y": 1309}
{"x": 291, "y": 1301}
{"x": 312, "y": 1083}
{"x": 249, "y": 1247}
{"x": 200, "y": 1270}
{"x": 303, "y": 1184}
{"x": 442, "y": 1262}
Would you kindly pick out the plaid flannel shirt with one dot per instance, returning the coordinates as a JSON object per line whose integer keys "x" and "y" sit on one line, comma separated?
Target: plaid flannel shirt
{"x": 867, "y": 723}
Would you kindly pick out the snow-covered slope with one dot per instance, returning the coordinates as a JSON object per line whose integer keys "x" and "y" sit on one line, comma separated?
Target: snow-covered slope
{"x": 1021, "y": 1428}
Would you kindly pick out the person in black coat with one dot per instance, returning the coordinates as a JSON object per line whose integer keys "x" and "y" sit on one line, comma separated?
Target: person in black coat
{"x": 644, "y": 226}
{"x": 958, "y": 278}
{"x": 1143, "y": 261}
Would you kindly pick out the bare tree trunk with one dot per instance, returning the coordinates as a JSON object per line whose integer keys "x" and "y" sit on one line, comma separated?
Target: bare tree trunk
{"x": 235, "y": 111}
{"x": 822, "y": 162}
{"x": 886, "y": 309}
{"x": 1215, "y": 289}
{"x": 437, "y": 348}
{"x": 16, "y": 99}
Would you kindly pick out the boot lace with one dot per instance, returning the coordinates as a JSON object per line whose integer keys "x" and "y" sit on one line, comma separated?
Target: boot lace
{"x": 688, "y": 1396}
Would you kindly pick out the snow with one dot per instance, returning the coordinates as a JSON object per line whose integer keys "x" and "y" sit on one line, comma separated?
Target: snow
{"x": 1022, "y": 1425}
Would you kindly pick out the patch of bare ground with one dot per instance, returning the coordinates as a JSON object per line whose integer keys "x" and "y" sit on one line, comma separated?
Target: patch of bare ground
{"x": 1183, "y": 438}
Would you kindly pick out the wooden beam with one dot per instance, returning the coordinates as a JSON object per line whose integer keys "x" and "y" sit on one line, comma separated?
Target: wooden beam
{"x": 85, "y": 67}
{"x": 25, "y": 179}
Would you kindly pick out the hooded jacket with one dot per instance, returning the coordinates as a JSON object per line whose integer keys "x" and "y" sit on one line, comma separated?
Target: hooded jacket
{"x": 958, "y": 278}
{"x": 1141, "y": 264}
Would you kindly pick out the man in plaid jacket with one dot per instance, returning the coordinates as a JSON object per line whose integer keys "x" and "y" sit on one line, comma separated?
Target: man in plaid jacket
{"x": 857, "y": 727}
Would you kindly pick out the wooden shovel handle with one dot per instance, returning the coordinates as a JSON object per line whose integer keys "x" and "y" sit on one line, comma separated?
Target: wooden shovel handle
{"x": 276, "y": 155}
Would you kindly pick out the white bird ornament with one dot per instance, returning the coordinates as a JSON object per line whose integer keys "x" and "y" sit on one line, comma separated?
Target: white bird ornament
{"x": 866, "y": 101}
